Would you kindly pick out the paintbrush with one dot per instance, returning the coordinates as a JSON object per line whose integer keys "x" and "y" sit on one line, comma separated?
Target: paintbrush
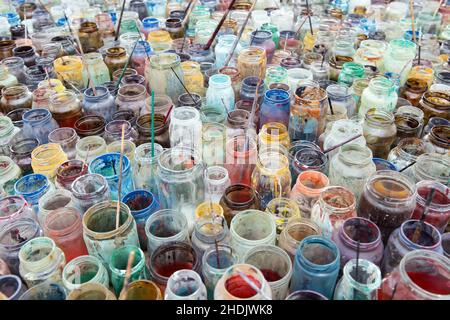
{"x": 167, "y": 115}
{"x": 252, "y": 113}
{"x": 120, "y": 21}
{"x": 411, "y": 5}
{"x": 190, "y": 95}
{"x": 46, "y": 10}
{"x": 251, "y": 284}
{"x": 420, "y": 225}
{"x": 342, "y": 143}
{"x": 119, "y": 189}
{"x": 222, "y": 20}
{"x": 188, "y": 13}
{"x": 124, "y": 291}
{"x": 406, "y": 167}
{"x": 126, "y": 65}
{"x": 301, "y": 25}
{"x": 309, "y": 18}
{"x": 331, "y": 106}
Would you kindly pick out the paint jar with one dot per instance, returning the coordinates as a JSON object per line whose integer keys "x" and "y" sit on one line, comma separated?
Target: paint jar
{"x": 15, "y": 97}
{"x": 248, "y": 90}
{"x": 68, "y": 172}
{"x": 70, "y": 68}
{"x": 84, "y": 269}
{"x": 14, "y": 208}
{"x": 180, "y": 178}
{"x": 271, "y": 177}
{"x": 435, "y": 104}
{"x": 193, "y": 77}
{"x": 144, "y": 169}
{"x": 7, "y": 133}
{"x": 276, "y": 266}
{"x": 275, "y": 107}
{"x": 214, "y": 264}
{"x": 33, "y": 187}
{"x": 216, "y": 182}
{"x": 430, "y": 166}
{"x": 65, "y": 108}
{"x": 295, "y": 231}
{"x": 237, "y": 198}
{"x": 307, "y": 189}
{"x": 304, "y": 156}
{"x": 108, "y": 165}
{"x": 250, "y": 228}
{"x": 46, "y": 159}
{"x": 232, "y": 286}
{"x": 334, "y": 206}
{"x": 66, "y": 138}
{"x": 100, "y": 233}
{"x": 209, "y": 210}
{"x": 38, "y": 123}
{"x": 398, "y": 58}
{"x": 380, "y": 94}
{"x": 241, "y": 157}
{"x": 282, "y": 210}
{"x": 88, "y": 190}
{"x": 213, "y": 143}
{"x": 379, "y": 131}
{"x": 9, "y": 174}
{"x": 388, "y": 199}
{"x": 252, "y": 61}
{"x": 21, "y": 153}
{"x": 351, "y": 168}
{"x": 91, "y": 291}
{"x": 165, "y": 226}
{"x": 209, "y": 231}
{"x": 350, "y": 72}
{"x": 185, "y": 285}
{"x": 361, "y": 230}
{"x": 41, "y": 261}
{"x": 118, "y": 266}
{"x": 143, "y": 290}
{"x": 52, "y": 200}
{"x": 220, "y": 92}
{"x": 306, "y": 120}
{"x": 407, "y": 152}
{"x": 131, "y": 96}
{"x": 421, "y": 275}
{"x": 12, "y": 287}
{"x": 316, "y": 266}
{"x": 186, "y": 129}
{"x": 101, "y": 104}
{"x": 116, "y": 58}
{"x": 90, "y": 125}
{"x": 169, "y": 258}
{"x": 437, "y": 139}
{"x": 45, "y": 291}
{"x": 360, "y": 281}
{"x": 410, "y": 236}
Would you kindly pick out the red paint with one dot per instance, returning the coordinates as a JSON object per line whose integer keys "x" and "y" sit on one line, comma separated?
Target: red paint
{"x": 437, "y": 284}
{"x": 270, "y": 275}
{"x": 168, "y": 270}
{"x": 439, "y": 219}
{"x": 237, "y": 286}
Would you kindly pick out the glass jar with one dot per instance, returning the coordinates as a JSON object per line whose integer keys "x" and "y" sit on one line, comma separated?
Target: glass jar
{"x": 89, "y": 148}
{"x": 180, "y": 177}
{"x": 15, "y": 97}
{"x": 193, "y": 77}
{"x": 216, "y": 182}
{"x": 88, "y": 190}
{"x": 144, "y": 170}
{"x": 237, "y": 198}
{"x": 185, "y": 128}
{"x": 84, "y": 270}
{"x": 220, "y": 91}
{"x": 273, "y": 134}
{"x": 434, "y": 104}
{"x": 430, "y": 167}
{"x": 6, "y": 78}
{"x": 21, "y": 153}
{"x": 248, "y": 90}
{"x": 65, "y": 108}
{"x": 89, "y": 37}
{"x": 213, "y": 143}
{"x": 169, "y": 258}
{"x": 250, "y": 228}
{"x": 97, "y": 69}
{"x": 189, "y": 100}
{"x": 407, "y": 127}
{"x": 410, "y": 236}
{"x": 406, "y": 152}
{"x": 11, "y": 287}
{"x": 341, "y": 97}
{"x": 307, "y": 188}
{"x": 101, "y": 104}
{"x": 276, "y": 74}
{"x": 306, "y": 120}
{"x": 131, "y": 96}
{"x": 41, "y": 261}
{"x": 6, "y": 48}
{"x": 282, "y": 210}
{"x": 438, "y": 213}
{"x": 161, "y": 130}
{"x": 388, "y": 200}
{"x": 398, "y": 58}
{"x": 413, "y": 90}
{"x": 316, "y": 266}
{"x": 7, "y": 133}
{"x": 46, "y": 290}
{"x": 9, "y": 174}
{"x": 27, "y": 53}
{"x": 437, "y": 139}
{"x": 52, "y": 200}
{"x": 101, "y": 235}
{"x": 33, "y": 187}
{"x": 46, "y": 158}
{"x": 38, "y": 123}
{"x": 351, "y": 168}
{"x": 252, "y": 62}
{"x": 304, "y": 156}
{"x": 380, "y": 94}
{"x": 116, "y": 59}
{"x": 379, "y": 131}
{"x": 67, "y": 138}
{"x": 90, "y": 125}
{"x": 350, "y": 72}
{"x": 13, "y": 236}
{"x": 159, "y": 40}
{"x": 185, "y": 285}
{"x": 16, "y": 68}
{"x": 41, "y": 98}
{"x": 434, "y": 121}
{"x": 209, "y": 231}
{"x": 223, "y": 49}
{"x": 263, "y": 39}
{"x": 208, "y": 209}
{"x": 14, "y": 208}
{"x": 68, "y": 171}
{"x": 289, "y": 42}
{"x": 113, "y": 131}
{"x": 275, "y": 107}
{"x": 70, "y": 69}
{"x": 359, "y": 237}
{"x": 64, "y": 227}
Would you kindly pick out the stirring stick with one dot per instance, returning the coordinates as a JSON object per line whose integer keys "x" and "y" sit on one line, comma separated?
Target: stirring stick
{"x": 153, "y": 124}
{"x": 184, "y": 40}
{"x": 418, "y": 62}
{"x": 119, "y": 191}
{"x": 91, "y": 83}
{"x": 120, "y": 21}
{"x": 419, "y": 227}
{"x": 323, "y": 58}
{"x": 342, "y": 143}
{"x": 236, "y": 41}
{"x": 251, "y": 284}
{"x": 411, "y": 5}
{"x": 210, "y": 41}
{"x": 176, "y": 75}
{"x": 167, "y": 115}
{"x": 123, "y": 292}
{"x": 331, "y": 106}
{"x": 309, "y": 18}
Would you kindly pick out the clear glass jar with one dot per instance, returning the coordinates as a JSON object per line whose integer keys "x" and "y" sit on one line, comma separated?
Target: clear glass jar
{"x": 408, "y": 126}
{"x": 342, "y": 99}
{"x": 101, "y": 104}
{"x": 70, "y": 68}
{"x": 208, "y": 209}
{"x": 209, "y": 231}
{"x": 38, "y": 123}
{"x": 316, "y": 266}
{"x": 379, "y": 131}
{"x": 180, "y": 177}
{"x": 89, "y": 148}
{"x": 101, "y": 235}
{"x": 144, "y": 170}
{"x": 67, "y": 139}
{"x": 64, "y": 227}
{"x": 340, "y": 131}
{"x": 185, "y": 129}
{"x": 21, "y": 153}
{"x": 304, "y": 156}
{"x": 430, "y": 166}
{"x": 41, "y": 261}
{"x": 351, "y": 168}
{"x": 84, "y": 270}
{"x": 308, "y": 186}
{"x": 216, "y": 182}
{"x": 252, "y": 62}
{"x": 14, "y": 208}
{"x": 213, "y": 143}
{"x": 220, "y": 91}
{"x": 16, "y": 67}
{"x": 438, "y": 213}
{"x": 160, "y": 76}
{"x": 6, "y": 78}
{"x": 46, "y": 158}
{"x": 223, "y": 49}
{"x": 9, "y": 174}
{"x": 185, "y": 285}
{"x": 27, "y": 53}
{"x": 68, "y": 171}
{"x": 90, "y": 125}
{"x": 398, "y": 57}
{"x": 88, "y": 190}
{"x": 15, "y": 97}
{"x": 435, "y": 104}
{"x": 437, "y": 139}
{"x": 388, "y": 199}
{"x": 52, "y": 200}
{"x": 406, "y": 152}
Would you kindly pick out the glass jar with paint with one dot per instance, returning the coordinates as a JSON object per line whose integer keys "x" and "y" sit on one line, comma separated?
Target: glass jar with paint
{"x": 354, "y": 232}
{"x": 232, "y": 286}
{"x": 430, "y": 166}
{"x": 45, "y": 291}
{"x": 100, "y": 233}
{"x": 108, "y": 166}
{"x": 7, "y": 133}
{"x": 380, "y": 94}
{"x": 84, "y": 269}
{"x": 282, "y": 210}
{"x": 237, "y": 198}
{"x": 46, "y": 158}
{"x": 316, "y": 266}
{"x": 304, "y": 156}
{"x": 143, "y": 290}
{"x": 15, "y": 97}
{"x": 437, "y": 139}
{"x": 351, "y": 168}
{"x": 11, "y": 287}
{"x": 88, "y": 148}
{"x": 9, "y": 174}
{"x": 273, "y": 134}
{"x": 118, "y": 266}
{"x": 421, "y": 275}
{"x": 115, "y": 59}
{"x": 169, "y": 258}
{"x": 52, "y": 200}
{"x": 165, "y": 226}
{"x": 100, "y": 104}
{"x": 38, "y": 123}
{"x": 207, "y": 232}
{"x": 398, "y": 58}
{"x": 220, "y": 91}
{"x": 407, "y": 126}
{"x": 185, "y": 129}
{"x": 21, "y": 153}
{"x": 70, "y": 68}
{"x": 185, "y": 285}
{"x": 144, "y": 170}
{"x": 275, "y": 107}
{"x": 68, "y": 171}
{"x": 295, "y": 231}
{"x": 41, "y": 261}
{"x": 14, "y": 208}
{"x": 252, "y": 62}
{"x": 388, "y": 199}
{"x": 435, "y": 104}
{"x": 33, "y": 187}
{"x": 90, "y": 125}
{"x": 66, "y": 138}
{"x": 216, "y": 182}
{"x": 407, "y": 152}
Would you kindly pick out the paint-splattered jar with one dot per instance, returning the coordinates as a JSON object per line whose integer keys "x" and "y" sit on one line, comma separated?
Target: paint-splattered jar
{"x": 88, "y": 148}
{"x": 45, "y": 291}
{"x": 70, "y": 68}
{"x": 143, "y": 290}
{"x": 91, "y": 291}
{"x": 88, "y": 190}
{"x": 185, "y": 285}
{"x": 41, "y": 261}
{"x": 33, "y": 187}
{"x": 52, "y": 200}
{"x": 14, "y": 208}
{"x": 38, "y": 123}
{"x": 11, "y": 286}
{"x": 252, "y": 62}
{"x": 295, "y": 231}
{"x": 84, "y": 269}
{"x": 9, "y": 174}
{"x": 100, "y": 233}
{"x": 46, "y": 158}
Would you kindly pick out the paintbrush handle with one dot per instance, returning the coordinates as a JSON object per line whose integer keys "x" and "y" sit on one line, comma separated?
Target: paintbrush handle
{"x": 210, "y": 41}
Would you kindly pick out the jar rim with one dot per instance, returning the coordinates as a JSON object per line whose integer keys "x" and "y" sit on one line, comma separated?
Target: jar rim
{"x": 330, "y": 245}
{"x": 63, "y": 214}
{"x": 139, "y": 254}
{"x": 354, "y": 243}
{"x": 263, "y": 216}
{"x": 19, "y": 203}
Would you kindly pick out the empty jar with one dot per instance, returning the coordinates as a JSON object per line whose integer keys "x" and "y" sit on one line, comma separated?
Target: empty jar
{"x": 88, "y": 190}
